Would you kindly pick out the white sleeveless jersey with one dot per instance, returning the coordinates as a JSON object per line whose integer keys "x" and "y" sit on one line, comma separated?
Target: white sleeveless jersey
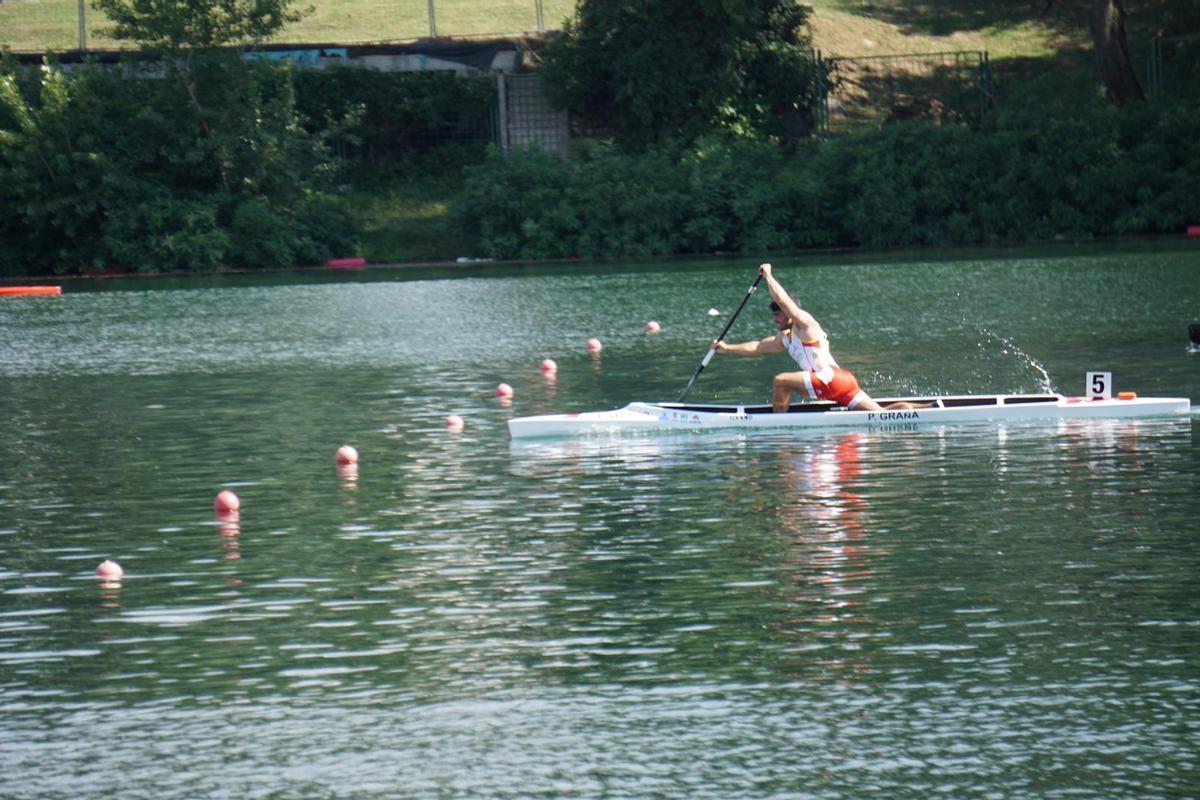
{"x": 812, "y": 357}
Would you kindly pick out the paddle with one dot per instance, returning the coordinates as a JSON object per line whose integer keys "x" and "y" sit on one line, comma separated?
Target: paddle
{"x": 711, "y": 350}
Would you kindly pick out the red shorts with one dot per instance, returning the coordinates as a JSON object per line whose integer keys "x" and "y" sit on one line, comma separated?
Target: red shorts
{"x": 842, "y": 389}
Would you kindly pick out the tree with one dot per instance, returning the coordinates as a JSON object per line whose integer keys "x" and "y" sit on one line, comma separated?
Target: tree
{"x": 179, "y": 31}
{"x": 186, "y": 25}
{"x": 1112, "y": 52}
{"x": 191, "y": 158}
{"x": 653, "y": 70}
{"x": 1106, "y": 20}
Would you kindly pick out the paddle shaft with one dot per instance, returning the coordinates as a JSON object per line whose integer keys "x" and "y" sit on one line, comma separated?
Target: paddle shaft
{"x": 711, "y": 350}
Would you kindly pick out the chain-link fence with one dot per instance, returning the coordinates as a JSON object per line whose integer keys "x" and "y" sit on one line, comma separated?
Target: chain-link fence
{"x": 33, "y": 26}
{"x": 1174, "y": 67}
{"x": 951, "y": 86}
{"x": 526, "y": 118}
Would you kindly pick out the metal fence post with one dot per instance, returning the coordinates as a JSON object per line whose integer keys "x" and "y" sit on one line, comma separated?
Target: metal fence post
{"x": 541, "y": 20}
{"x": 820, "y": 93}
{"x": 985, "y": 85}
{"x": 82, "y": 27}
{"x": 1154, "y": 78}
{"x": 502, "y": 92}
{"x": 432, "y": 22}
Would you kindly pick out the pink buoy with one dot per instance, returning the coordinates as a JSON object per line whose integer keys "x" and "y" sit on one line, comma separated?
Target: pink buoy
{"x": 346, "y": 454}
{"x": 548, "y": 365}
{"x": 653, "y": 327}
{"x": 454, "y": 423}
{"x": 594, "y": 346}
{"x": 346, "y": 263}
{"x": 109, "y": 571}
{"x": 504, "y": 390}
{"x": 227, "y": 503}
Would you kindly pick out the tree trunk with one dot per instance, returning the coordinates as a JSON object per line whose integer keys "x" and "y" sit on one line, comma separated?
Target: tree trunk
{"x": 1112, "y": 52}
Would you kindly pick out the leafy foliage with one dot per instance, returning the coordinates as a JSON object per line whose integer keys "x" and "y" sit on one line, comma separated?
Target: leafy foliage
{"x": 678, "y": 69}
{"x": 101, "y": 169}
{"x": 174, "y": 25}
{"x": 1090, "y": 170}
{"x": 426, "y": 120}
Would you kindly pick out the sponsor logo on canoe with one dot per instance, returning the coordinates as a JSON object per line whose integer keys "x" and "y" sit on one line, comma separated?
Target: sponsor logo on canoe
{"x": 680, "y": 417}
{"x": 890, "y": 415}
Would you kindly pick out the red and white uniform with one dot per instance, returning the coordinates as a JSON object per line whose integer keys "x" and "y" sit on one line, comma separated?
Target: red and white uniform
{"x": 823, "y": 378}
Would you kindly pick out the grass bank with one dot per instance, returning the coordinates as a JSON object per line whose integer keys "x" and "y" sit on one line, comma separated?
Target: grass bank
{"x": 406, "y": 220}
{"x": 54, "y": 24}
{"x": 840, "y": 27}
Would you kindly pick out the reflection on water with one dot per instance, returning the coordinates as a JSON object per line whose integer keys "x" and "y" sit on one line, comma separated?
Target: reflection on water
{"x": 829, "y": 554}
{"x": 977, "y": 610}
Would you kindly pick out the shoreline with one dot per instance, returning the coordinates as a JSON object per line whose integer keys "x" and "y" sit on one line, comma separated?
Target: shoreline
{"x": 1181, "y": 240}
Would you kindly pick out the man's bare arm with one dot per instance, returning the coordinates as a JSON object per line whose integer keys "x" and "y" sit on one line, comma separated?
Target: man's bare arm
{"x": 806, "y": 322}
{"x": 771, "y": 344}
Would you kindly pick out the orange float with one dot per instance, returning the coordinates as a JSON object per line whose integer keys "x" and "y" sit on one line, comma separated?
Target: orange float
{"x": 29, "y": 291}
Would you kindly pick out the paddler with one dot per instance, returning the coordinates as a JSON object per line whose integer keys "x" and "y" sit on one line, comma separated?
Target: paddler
{"x": 803, "y": 338}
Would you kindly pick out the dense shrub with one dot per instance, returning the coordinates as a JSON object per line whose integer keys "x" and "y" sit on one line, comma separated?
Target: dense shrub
{"x": 1076, "y": 171}
{"x": 104, "y": 169}
{"x": 426, "y": 120}
{"x": 681, "y": 69}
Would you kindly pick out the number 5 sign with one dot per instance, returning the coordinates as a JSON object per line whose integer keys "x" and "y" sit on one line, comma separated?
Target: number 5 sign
{"x": 1099, "y": 386}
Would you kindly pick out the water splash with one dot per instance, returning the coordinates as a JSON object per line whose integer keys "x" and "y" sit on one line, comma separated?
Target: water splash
{"x": 1027, "y": 361}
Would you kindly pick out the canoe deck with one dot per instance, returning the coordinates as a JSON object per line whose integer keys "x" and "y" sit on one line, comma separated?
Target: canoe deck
{"x": 664, "y": 417}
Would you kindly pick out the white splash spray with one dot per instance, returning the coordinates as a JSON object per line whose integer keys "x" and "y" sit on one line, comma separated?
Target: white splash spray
{"x": 1011, "y": 348}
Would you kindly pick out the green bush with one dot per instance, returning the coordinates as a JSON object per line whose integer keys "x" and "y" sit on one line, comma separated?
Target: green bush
{"x": 150, "y": 230}
{"x": 1078, "y": 170}
{"x": 102, "y": 169}
{"x": 421, "y": 120}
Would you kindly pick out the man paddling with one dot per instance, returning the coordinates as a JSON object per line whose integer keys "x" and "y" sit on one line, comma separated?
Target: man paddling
{"x": 803, "y": 338}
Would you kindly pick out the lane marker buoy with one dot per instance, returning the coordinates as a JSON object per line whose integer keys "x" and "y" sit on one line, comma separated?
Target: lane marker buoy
{"x": 346, "y": 263}
{"x": 29, "y": 291}
{"x": 227, "y": 502}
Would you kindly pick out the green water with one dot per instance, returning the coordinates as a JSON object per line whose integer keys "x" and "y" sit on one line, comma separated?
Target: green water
{"x": 962, "y": 611}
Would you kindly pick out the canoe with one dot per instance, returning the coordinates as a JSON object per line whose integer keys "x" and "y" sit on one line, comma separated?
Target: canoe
{"x": 665, "y": 417}
{"x": 29, "y": 291}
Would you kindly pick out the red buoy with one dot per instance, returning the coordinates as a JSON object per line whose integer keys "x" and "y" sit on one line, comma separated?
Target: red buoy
{"x": 227, "y": 503}
{"x": 346, "y": 263}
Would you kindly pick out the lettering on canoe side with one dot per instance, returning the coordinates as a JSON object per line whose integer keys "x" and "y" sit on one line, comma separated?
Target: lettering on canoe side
{"x": 889, "y": 415}
{"x": 896, "y": 427}
{"x": 680, "y": 416}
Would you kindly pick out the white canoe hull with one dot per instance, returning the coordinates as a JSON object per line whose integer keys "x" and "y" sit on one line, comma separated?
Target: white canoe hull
{"x": 666, "y": 417}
